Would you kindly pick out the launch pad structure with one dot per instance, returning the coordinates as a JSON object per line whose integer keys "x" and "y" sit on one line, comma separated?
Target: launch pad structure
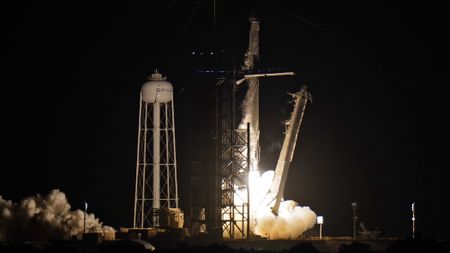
{"x": 227, "y": 213}
{"x": 232, "y": 211}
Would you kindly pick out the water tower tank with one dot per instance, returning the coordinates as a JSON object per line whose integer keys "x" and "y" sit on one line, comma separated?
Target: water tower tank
{"x": 157, "y": 89}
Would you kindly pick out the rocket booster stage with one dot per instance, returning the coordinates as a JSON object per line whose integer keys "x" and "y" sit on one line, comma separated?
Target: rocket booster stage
{"x": 288, "y": 148}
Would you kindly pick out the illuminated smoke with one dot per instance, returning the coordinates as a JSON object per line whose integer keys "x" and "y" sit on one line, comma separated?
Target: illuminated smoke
{"x": 44, "y": 218}
{"x": 292, "y": 220}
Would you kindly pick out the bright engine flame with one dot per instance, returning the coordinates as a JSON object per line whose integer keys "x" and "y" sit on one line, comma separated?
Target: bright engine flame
{"x": 292, "y": 220}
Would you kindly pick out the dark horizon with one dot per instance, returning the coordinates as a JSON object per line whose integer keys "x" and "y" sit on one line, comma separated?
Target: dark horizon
{"x": 376, "y": 132}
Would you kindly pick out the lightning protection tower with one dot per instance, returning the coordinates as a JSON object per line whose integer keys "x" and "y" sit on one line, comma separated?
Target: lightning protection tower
{"x": 156, "y": 191}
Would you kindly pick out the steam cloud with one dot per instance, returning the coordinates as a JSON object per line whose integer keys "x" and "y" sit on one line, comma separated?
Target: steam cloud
{"x": 47, "y": 217}
{"x": 292, "y": 220}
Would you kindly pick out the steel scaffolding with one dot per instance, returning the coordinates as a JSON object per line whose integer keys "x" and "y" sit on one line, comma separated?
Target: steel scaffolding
{"x": 233, "y": 166}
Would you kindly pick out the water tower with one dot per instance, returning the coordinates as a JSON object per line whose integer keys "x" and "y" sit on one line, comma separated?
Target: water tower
{"x": 156, "y": 190}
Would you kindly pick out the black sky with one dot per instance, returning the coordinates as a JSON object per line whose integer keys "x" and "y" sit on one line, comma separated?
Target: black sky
{"x": 376, "y": 132}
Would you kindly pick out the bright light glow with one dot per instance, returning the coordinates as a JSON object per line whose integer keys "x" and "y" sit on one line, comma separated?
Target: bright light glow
{"x": 292, "y": 220}
{"x": 319, "y": 220}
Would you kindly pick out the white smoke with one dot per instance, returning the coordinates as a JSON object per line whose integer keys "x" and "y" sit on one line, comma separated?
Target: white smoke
{"x": 44, "y": 218}
{"x": 292, "y": 220}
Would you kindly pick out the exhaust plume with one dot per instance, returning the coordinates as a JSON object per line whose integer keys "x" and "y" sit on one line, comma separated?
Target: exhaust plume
{"x": 292, "y": 220}
{"x": 38, "y": 218}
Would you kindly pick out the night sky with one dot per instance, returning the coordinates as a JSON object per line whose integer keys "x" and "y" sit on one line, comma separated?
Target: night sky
{"x": 376, "y": 131}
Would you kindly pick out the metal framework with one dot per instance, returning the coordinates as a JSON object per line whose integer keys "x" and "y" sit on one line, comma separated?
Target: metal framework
{"x": 234, "y": 184}
{"x": 233, "y": 166}
{"x": 156, "y": 174}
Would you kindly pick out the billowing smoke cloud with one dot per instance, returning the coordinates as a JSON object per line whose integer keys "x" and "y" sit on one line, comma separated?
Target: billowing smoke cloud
{"x": 292, "y": 220}
{"x": 47, "y": 217}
